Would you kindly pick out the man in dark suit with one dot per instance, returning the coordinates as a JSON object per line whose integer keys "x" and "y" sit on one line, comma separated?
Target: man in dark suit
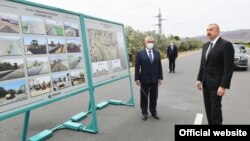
{"x": 148, "y": 74}
{"x": 172, "y": 53}
{"x": 216, "y": 70}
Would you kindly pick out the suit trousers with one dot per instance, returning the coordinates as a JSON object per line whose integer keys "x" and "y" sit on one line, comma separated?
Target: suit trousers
{"x": 149, "y": 91}
{"x": 213, "y": 106}
{"x": 171, "y": 63}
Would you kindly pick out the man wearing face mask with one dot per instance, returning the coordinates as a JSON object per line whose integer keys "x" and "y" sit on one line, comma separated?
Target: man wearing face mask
{"x": 148, "y": 75}
{"x": 172, "y": 54}
{"x": 216, "y": 70}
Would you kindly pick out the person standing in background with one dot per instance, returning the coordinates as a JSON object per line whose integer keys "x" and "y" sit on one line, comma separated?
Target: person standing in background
{"x": 172, "y": 54}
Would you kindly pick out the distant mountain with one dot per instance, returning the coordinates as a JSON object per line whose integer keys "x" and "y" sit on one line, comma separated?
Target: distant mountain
{"x": 233, "y": 36}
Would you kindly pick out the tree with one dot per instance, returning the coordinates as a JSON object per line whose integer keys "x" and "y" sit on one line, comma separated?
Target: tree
{"x": 193, "y": 43}
{"x": 177, "y": 38}
{"x": 184, "y": 46}
{"x": 135, "y": 42}
{"x": 2, "y": 92}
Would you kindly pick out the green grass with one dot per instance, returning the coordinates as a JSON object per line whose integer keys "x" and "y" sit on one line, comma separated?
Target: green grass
{"x": 25, "y": 27}
{"x": 59, "y": 31}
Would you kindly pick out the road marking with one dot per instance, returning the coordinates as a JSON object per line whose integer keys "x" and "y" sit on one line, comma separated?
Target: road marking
{"x": 198, "y": 119}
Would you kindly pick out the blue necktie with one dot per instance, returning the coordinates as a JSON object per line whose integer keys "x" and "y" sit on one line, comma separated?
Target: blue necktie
{"x": 150, "y": 56}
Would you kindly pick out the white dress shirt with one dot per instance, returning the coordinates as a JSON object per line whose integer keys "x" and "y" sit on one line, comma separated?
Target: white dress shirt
{"x": 213, "y": 42}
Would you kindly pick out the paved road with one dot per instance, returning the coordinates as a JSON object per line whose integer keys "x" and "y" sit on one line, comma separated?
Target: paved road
{"x": 35, "y": 70}
{"x": 18, "y": 73}
{"x": 59, "y": 66}
{"x": 74, "y": 65}
{"x": 178, "y": 103}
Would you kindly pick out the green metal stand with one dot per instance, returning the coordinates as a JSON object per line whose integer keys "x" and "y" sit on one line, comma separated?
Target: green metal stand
{"x": 93, "y": 126}
{"x": 25, "y": 125}
{"x": 41, "y": 136}
{"x": 73, "y": 124}
{"x": 103, "y": 104}
{"x": 131, "y": 101}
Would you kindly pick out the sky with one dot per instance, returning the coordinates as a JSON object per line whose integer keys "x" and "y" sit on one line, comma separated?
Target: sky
{"x": 13, "y": 85}
{"x": 184, "y": 18}
{"x": 12, "y": 61}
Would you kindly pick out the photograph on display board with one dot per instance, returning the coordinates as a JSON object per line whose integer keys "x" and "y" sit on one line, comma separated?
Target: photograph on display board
{"x": 100, "y": 68}
{"x": 75, "y": 61}
{"x": 77, "y": 77}
{"x": 37, "y": 65}
{"x": 11, "y": 68}
{"x": 103, "y": 45}
{"x": 61, "y": 81}
{"x": 71, "y": 29}
{"x": 54, "y": 28}
{"x": 122, "y": 50}
{"x": 116, "y": 65}
{"x": 40, "y": 85}
{"x": 73, "y": 45}
{"x": 9, "y": 23}
{"x": 10, "y": 45}
{"x": 13, "y": 92}
{"x": 123, "y": 58}
{"x": 58, "y": 63}
{"x": 35, "y": 45}
{"x": 31, "y": 25}
{"x": 56, "y": 45}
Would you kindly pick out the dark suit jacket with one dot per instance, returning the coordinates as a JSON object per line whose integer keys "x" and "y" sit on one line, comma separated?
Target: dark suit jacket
{"x": 145, "y": 71}
{"x": 172, "y": 53}
{"x": 218, "y": 69}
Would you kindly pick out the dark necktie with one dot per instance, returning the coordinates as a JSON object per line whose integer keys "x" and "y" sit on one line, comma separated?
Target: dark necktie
{"x": 209, "y": 49}
{"x": 150, "y": 56}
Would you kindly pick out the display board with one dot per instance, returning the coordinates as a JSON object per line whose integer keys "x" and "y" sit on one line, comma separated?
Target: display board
{"x": 106, "y": 46}
{"x": 41, "y": 55}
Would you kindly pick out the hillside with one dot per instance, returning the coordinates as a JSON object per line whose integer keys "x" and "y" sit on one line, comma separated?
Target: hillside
{"x": 233, "y": 36}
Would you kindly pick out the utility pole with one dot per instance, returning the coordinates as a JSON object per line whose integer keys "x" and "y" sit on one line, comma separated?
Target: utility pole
{"x": 159, "y": 24}
{"x": 159, "y": 21}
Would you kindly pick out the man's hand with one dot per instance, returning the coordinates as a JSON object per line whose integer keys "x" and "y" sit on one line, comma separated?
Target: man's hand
{"x": 221, "y": 91}
{"x": 137, "y": 82}
{"x": 159, "y": 82}
{"x": 198, "y": 85}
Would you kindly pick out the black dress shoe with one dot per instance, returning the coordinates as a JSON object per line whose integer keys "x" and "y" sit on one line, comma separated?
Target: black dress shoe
{"x": 144, "y": 117}
{"x": 169, "y": 71}
{"x": 155, "y": 116}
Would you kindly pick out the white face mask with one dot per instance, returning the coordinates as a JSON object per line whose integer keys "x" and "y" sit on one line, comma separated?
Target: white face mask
{"x": 171, "y": 44}
{"x": 150, "y": 46}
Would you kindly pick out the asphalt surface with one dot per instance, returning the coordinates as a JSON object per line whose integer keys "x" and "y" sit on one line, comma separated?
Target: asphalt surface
{"x": 178, "y": 103}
